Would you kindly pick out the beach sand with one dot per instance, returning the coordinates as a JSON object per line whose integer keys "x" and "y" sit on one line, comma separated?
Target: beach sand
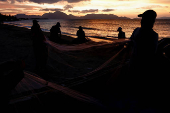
{"x": 64, "y": 61}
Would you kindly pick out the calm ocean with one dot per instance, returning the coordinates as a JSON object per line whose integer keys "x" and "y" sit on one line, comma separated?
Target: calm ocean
{"x": 98, "y": 28}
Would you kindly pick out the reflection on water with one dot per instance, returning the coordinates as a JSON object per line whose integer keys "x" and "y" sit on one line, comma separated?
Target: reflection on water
{"x": 98, "y": 27}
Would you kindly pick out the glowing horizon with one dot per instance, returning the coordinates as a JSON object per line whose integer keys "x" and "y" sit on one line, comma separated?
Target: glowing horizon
{"x": 128, "y": 8}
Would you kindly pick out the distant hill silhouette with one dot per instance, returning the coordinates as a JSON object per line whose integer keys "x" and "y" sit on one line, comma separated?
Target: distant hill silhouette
{"x": 164, "y": 18}
{"x": 27, "y": 16}
{"x": 61, "y": 15}
{"x": 7, "y": 18}
{"x": 73, "y": 17}
{"x": 156, "y": 18}
{"x": 55, "y": 15}
{"x": 102, "y": 16}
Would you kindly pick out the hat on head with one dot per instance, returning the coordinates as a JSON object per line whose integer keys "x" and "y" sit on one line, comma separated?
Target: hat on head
{"x": 58, "y": 24}
{"x": 148, "y": 14}
{"x": 34, "y": 21}
{"x": 119, "y": 29}
{"x": 80, "y": 27}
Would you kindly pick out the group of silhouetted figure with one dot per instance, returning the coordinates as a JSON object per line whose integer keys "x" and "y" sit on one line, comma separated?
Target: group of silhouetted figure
{"x": 142, "y": 66}
{"x": 144, "y": 42}
{"x": 55, "y": 35}
{"x": 40, "y": 46}
{"x": 39, "y": 41}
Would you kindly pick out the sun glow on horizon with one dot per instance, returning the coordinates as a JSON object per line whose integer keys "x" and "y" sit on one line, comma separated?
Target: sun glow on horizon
{"x": 128, "y": 8}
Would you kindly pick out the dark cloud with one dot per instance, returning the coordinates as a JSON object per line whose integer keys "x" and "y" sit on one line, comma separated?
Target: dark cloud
{"x": 46, "y": 1}
{"x": 74, "y": 11}
{"x": 108, "y": 10}
{"x": 74, "y": 1}
{"x": 67, "y": 7}
{"x": 84, "y": 11}
{"x": 51, "y": 9}
{"x": 89, "y": 11}
{"x": 19, "y": 8}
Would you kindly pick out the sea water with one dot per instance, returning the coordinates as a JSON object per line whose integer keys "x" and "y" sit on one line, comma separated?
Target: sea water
{"x": 98, "y": 28}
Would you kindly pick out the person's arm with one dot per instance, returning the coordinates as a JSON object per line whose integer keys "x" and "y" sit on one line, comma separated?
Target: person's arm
{"x": 83, "y": 34}
{"x": 132, "y": 38}
{"x": 59, "y": 33}
{"x": 32, "y": 33}
{"x": 51, "y": 29}
{"x": 124, "y": 35}
{"x": 77, "y": 33}
{"x": 118, "y": 35}
{"x": 156, "y": 43}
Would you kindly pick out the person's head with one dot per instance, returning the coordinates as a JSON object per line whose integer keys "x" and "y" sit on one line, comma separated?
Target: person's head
{"x": 58, "y": 24}
{"x": 119, "y": 29}
{"x": 35, "y": 21}
{"x": 148, "y": 19}
{"x": 80, "y": 28}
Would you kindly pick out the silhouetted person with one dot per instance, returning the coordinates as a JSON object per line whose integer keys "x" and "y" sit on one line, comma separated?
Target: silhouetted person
{"x": 55, "y": 33}
{"x": 142, "y": 64}
{"x": 40, "y": 47}
{"x": 81, "y": 35}
{"x": 145, "y": 41}
{"x": 121, "y": 33}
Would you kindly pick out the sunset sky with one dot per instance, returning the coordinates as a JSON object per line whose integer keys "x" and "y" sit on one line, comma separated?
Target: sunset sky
{"x": 128, "y": 8}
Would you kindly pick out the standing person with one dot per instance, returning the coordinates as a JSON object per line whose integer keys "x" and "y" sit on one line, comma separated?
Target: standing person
{"x": 121, "y": 33}
{"x": 55, "y": 33}
{"x": 81, "y": 35}
{"x": 142, "y": 64}
{"x": 145, "y": 41}
{"x": 40, "y": 47}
